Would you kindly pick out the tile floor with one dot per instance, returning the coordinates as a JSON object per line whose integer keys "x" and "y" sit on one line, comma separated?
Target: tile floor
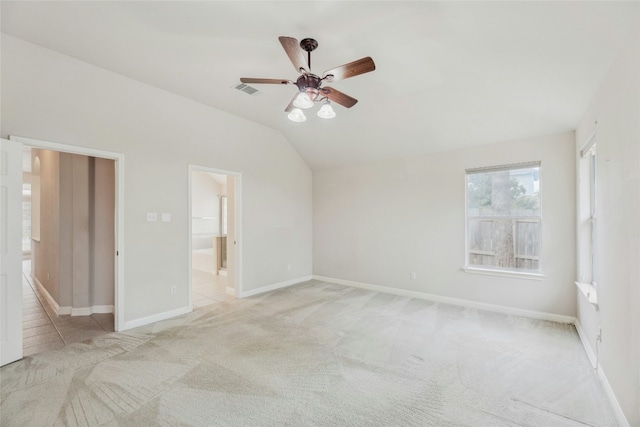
{"x": 44, "y": 330}
{"x": 208, "y": 289}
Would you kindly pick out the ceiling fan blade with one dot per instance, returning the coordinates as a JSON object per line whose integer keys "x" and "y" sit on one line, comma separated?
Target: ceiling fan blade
{"x": 290, "y": 106}
{"x": 292, "y": 47}
{"x": 266, "y": 81}
{"x": 338, "y": 97}
{"x": 352, "y": 69}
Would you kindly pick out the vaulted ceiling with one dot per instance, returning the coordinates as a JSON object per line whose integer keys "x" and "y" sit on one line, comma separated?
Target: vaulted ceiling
{"x": 448, "y": 74}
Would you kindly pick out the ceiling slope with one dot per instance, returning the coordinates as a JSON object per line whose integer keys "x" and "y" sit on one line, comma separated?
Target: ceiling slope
{"x": 448, "y": 74}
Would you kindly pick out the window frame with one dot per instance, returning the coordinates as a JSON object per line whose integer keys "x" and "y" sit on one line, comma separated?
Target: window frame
{"x": 496, "y": 271}
{"x": 587, "y": 213}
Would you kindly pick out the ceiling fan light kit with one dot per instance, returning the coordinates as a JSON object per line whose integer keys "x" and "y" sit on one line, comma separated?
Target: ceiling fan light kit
{"x": 296, "y": 115}
{"x": 326, "y": 111}
{"x": 303, "y": 101}
{"x": 310, "y": 89}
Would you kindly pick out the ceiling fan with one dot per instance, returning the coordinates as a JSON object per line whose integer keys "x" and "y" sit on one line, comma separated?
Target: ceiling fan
{"x": 310, "y": 85}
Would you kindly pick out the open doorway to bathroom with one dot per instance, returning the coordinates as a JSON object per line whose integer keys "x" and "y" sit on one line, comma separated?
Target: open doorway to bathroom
{"x": 213, "y": 236}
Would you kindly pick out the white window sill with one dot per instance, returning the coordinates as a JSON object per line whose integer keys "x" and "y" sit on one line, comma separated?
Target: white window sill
{"x": 589, "y": 292}
{"x": 503, "y": 273}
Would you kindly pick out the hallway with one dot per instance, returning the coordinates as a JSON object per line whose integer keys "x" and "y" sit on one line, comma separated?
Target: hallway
{"x": 44, "y": 330}
{"x": 208, "y": 289}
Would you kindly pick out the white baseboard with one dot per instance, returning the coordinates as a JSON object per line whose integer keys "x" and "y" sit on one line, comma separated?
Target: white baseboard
{"x": 64, "y": 310}
{"x": 155, "y": 318}
{"x": 87, "y": 311}
{"x": 50, "y": 300}
{"x": 454, "y": 301}
{"x": 615, "y": 405}
{"x": 274, "y": 286}
{"x": 585, "y": 343}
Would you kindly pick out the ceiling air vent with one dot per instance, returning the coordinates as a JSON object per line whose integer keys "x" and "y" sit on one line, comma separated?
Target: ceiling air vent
{"x": 247, "y": 89}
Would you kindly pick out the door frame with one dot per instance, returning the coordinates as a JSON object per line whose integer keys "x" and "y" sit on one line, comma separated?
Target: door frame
{"x": 11, "y": 281}
{"x": 237, "y": 248}
{"x": 118, "y": 299}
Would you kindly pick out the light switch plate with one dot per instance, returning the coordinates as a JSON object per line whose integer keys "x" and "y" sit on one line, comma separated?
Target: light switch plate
{"x": 152, "y": 217}
{"x": 166, "y": 217}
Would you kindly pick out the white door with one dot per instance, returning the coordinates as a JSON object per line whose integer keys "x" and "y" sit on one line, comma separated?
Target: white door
{"x": 10, "y": 251}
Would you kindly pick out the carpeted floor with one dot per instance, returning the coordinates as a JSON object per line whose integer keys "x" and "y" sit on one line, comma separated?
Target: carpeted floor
{"x": 315, "y": 354}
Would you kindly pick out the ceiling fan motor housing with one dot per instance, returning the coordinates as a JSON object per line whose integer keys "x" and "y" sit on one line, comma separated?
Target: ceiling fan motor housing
{"x": 309, "y": 83}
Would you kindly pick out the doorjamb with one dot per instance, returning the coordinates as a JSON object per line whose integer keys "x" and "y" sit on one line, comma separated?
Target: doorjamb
{"x": 237, "y": 248}
{"x": 118, "y": 315}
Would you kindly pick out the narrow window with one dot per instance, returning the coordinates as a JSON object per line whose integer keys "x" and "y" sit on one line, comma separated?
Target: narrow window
{"x": 587, "y": 226}
{"x": 503, "y": 218}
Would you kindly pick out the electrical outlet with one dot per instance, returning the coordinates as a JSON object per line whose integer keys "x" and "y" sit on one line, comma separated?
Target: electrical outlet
{"x": 288, "y": 267}
{"x": 174, "y": 290}
{"x": 413, "y": 275}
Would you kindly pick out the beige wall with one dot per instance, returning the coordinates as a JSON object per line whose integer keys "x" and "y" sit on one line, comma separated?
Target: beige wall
{"x": 49, "y": 96}
{"x": 103, "y": 232}
{"x": 66, "y": 229}
{"x": 616, "y": 108}
{"x": 376, "y": 223}
{"x": 46, "y": 251}
{"x": 81, "y": 245}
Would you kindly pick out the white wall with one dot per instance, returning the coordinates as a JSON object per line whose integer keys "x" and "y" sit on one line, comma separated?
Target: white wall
{"x": 49, "y": 96}
{"x": 378, "y": 222}
{"x": 616, "y": 108}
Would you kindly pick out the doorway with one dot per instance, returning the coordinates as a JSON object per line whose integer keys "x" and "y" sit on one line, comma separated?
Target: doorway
{"x": 99, "y": 176}
{"x": 213, "y": 236}
{"x": 68, "y": 246}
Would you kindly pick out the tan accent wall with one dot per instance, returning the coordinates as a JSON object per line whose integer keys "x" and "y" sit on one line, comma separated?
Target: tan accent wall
{"x": 103, "y": 232}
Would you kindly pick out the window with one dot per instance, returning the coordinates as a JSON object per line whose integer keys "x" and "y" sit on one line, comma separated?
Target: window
{"x": 592, "y": 211}
{"x": 503, "y": 218}
{"x": 587, "y": 224}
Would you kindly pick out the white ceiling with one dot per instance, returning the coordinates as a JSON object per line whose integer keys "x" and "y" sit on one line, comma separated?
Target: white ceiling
{"x": 449, "y": 74}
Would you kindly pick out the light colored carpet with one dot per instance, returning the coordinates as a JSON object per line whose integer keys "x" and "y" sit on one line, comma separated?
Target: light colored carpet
{"x": 315, "y": 354}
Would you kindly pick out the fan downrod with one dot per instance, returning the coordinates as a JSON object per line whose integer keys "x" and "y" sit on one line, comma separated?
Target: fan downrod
{"x": 308, "y": 45}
